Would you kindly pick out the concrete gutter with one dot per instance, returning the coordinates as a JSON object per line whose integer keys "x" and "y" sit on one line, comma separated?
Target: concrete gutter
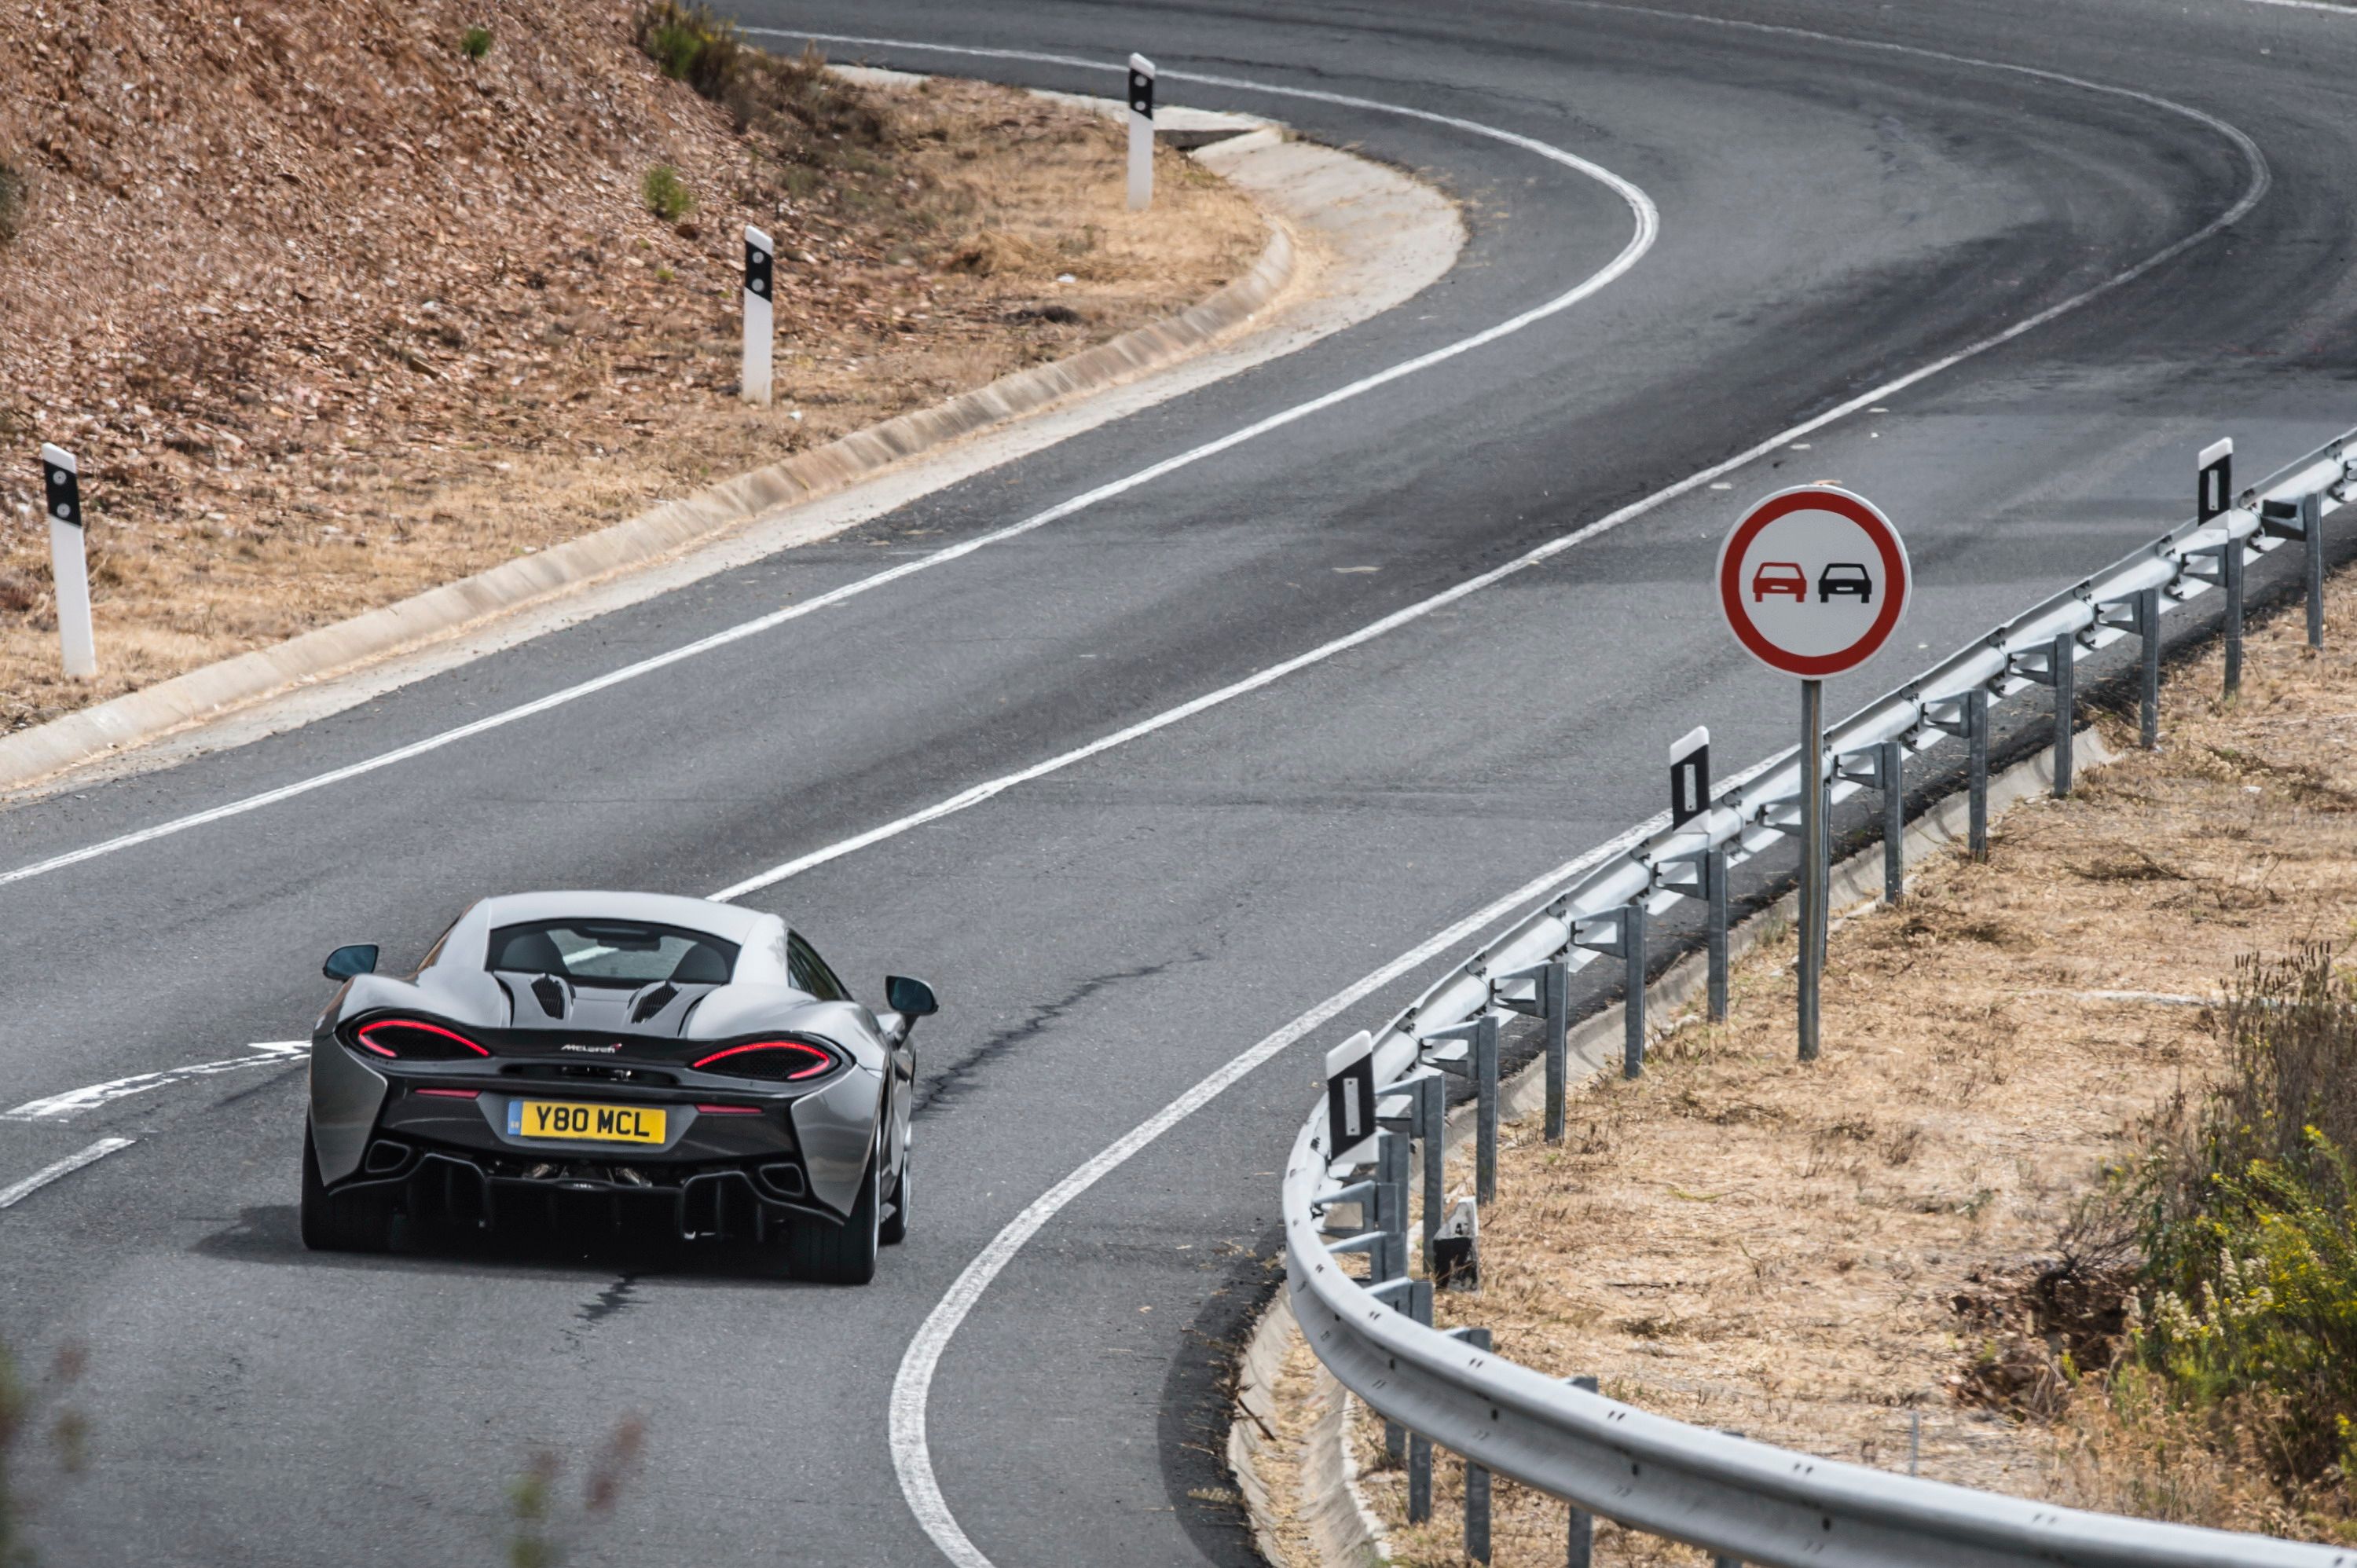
{"x": 1368, "y": 236}
{"x": 1343, "y": 1530}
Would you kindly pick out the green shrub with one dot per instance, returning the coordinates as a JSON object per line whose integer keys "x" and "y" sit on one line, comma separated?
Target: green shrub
{"x": 475, "y": 42}
{"x": 666, "y": 194}
{"x": 12, "y": 201}
{"x": 689, "y": 43}
{"x": 2248, "y": 1221}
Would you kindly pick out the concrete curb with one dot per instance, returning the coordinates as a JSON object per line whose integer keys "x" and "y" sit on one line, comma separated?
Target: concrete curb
{"x": 1328, "y": 1487}
{"x": 1342, "y": 1529}
{"x": 664, "y": 531}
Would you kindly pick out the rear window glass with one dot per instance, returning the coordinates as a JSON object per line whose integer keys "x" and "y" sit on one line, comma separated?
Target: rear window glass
{"x": 613, "y": 952}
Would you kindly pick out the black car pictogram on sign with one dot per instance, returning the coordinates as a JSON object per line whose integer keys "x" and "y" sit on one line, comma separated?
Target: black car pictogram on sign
{"x": 1844, "y": 577}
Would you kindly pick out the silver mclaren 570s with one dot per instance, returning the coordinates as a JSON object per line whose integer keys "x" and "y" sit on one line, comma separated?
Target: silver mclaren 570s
{"x": 614, "y": 1061}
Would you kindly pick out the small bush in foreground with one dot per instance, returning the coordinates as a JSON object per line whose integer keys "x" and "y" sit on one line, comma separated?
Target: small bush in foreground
{"x": 475, "y": 42}
{"x": 666, "y": 194}
{"x": 538, "y": 1538}
{"x": 2248, "y": 1225}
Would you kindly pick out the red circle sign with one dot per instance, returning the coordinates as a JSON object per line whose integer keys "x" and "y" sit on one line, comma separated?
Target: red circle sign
{"x": 1812, "y": 581}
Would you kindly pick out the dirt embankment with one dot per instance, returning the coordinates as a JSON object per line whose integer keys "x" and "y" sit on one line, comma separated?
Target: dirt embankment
{"x": 1813, "y": 1255}
{"x": 340, "y": 299}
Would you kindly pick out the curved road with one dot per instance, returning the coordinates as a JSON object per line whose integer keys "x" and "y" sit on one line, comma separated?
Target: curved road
{"x": 1847, "y": 195}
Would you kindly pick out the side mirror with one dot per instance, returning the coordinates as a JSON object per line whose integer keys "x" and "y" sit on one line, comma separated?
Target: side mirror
{"x": 344, "y": 963}
{"x": 909, "y": 998}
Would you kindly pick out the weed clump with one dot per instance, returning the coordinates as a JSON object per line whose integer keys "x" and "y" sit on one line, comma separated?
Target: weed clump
{"x": 12, "y": 201}
{"x": 666, "y": 195}
{"x": 689, "y": 43}
{"x": 2249, "y": 1227}
{"x": 475, "y": 42}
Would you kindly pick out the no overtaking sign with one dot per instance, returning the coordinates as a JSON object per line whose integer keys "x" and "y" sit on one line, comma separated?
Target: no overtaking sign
{"x": 1812, "y": 581}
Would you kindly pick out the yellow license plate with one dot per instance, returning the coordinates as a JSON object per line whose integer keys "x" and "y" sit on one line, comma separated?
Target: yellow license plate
{"x": 590, "y": 1123}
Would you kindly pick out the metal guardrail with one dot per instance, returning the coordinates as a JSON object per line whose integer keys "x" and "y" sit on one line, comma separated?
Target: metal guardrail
{"x": 1747, "y": 1502}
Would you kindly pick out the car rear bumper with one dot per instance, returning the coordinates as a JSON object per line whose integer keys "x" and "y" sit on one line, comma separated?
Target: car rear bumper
{"x": 742, "y": 1199}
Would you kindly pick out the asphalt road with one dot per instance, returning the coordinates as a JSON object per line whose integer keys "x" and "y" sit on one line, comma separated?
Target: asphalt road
{"x": 1833, "y": 216}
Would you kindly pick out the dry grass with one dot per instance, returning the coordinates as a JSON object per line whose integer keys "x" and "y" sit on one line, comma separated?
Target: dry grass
{"x": 251, "y": 486}
{"x": 1807, "y": 1254}
{"x": 1298, "y": 1396}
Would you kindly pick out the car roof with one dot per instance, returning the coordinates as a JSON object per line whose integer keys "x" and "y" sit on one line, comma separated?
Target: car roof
{"x": 726, "y": 922}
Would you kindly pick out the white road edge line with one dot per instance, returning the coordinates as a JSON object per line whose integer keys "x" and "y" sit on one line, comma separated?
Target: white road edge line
{"x": 60, "y": 1107}
{"x": 11, "y": 1195}
{"x": 912, "y": 1384}
{"x": 1648, "y": 226}
{"x": 975, "y": 794}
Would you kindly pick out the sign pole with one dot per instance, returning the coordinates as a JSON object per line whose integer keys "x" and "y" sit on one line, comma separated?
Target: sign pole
{"x": 1812, "y": 581}
{"x": 1813, "y": 860}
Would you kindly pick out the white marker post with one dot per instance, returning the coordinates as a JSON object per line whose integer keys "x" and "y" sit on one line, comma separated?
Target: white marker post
{"x": 1689, "y": 776}
{"x": 68, "y": 563}
{"x": 1141, "y": 133}
{"x": 1349, "y": 1096}
{"x": 760, "y": 285}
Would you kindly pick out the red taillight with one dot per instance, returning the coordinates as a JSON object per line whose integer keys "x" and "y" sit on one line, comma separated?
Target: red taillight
{"x": 413, "y": 1039}
{"x": 785, "y": 1060}
{"x": 449, "y": 1093}
{"x": 729, "y": 1109}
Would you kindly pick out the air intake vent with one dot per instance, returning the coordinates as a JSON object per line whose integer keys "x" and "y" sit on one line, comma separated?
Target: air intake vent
{"x": 550, "y": 994}
{"x": 653, "y": 1002}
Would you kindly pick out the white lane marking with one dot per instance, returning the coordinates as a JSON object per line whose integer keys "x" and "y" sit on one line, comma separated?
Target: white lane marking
{"x": 60, "y": 1107}
{"x": 11, "y": 1195}
{"x": 912, "y": 1385}
{"x": 975, "y": 794}
{"x": 1648, "y": 226}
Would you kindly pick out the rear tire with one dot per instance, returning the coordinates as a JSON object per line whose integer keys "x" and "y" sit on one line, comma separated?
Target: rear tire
{"x": 842, "y": 1254}
{"x": 351, "y": 1222}
{"x": 894, "y": 1229}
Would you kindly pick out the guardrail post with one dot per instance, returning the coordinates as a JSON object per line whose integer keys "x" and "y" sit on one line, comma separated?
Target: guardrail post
{"x": 1892, "y": 768}
{"x": 2148, "y": 705}
{"x": 1419, "y": 1446}
{"x": 1579, "y": 1540}
{"x": 1477, "y": 1479}
{"x": 1714, "y": 872}
{"x": 2230, "y": 562}
{"x": 1388, "y": 1259}
{"x": 1721, "y": 1559}
{"x": 1485, "y": 1108}
{"x": 1391, "y": 1201}
{"x": 1555, "y": 995}
{"x": 1976, "y": 771}
{"x": 1625, "y": 941}
{"x": 1432, "y": 1112}
{"x": 2066, "y": 702}
{"x": 2302, "y": 517}
{"x": 1632, "y": 1008}
{"x": 2312, "y": 529}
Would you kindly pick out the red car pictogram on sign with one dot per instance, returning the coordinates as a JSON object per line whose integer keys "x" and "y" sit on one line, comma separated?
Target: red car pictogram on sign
{"x": 1780, "y": 577}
